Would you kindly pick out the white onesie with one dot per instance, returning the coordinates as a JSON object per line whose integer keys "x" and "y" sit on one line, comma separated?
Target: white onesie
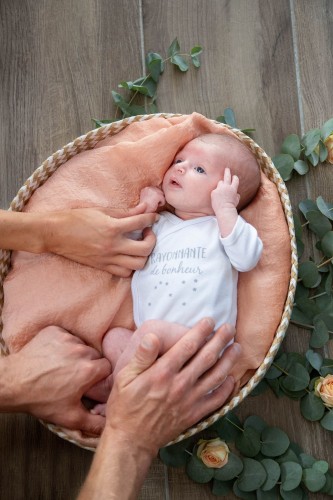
{"x": 192, "y": 271}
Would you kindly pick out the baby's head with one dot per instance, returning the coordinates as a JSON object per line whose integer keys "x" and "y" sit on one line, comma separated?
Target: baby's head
{"x": 199, "y": 166}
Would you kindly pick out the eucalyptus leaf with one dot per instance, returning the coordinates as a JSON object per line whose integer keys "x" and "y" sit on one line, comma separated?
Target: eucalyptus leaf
{"x": 307, "y": 205}
{"x": 221, "y": 119}
{"x": 309, "y": 273}
{"x": 174, "y": 48}
{"x": 288, "y": 456}
{"x": 272, "y": 494}
{"x": 155, "y": 65}
{"x": 327, "y": 244}
{"x": 312, "y": 407}
{"x": 260, "y": 388}
{"x": 285, "y": 165}
{"x": 243, "y": 494}
{"x": 291, "y": 475}
{"x": 299, "y": 317}
{"x": 313, "y": 479}
{"x": 327, "y": 421}
{"x": 292, "y": 146}
{"x": 229, "y": 117}
{"x": 321, "y": 465}
{"x": 273, "y": 473}
{"x": 100, "y": 123}
{"x": 296, "y": 494}
{"x": 195, "y": 52}
{"x": 228, "y": 427}
{"x": 319, "y": 223}
{"x": 230, "y": 470}
{"x": 315, "y": 359}
{"x": 308, "y": 307}
{"x": 253, "y": 475}
{"x": 307, "y": 461}
{"x": 324, "y": 207}
{"x": 180, "y": 62}
{"x": 220, "y": 489}
{"x": 310, "y": 140}
{"x": 197, "y": 471}
{"x": 313, "y": 158}
{"x": 327, "y": 129}
{"x": 301, "y": 167}
{"x": 255, "y": 422}
{"x": 275, "y": 386}
{"x": 319, "y": 335}
{"x": 297, "y": 379}
{"x": 326, "y": 367}
{"x": 176, "y": 454}
{"x": 274, "y": 442}
{"x": 323, "y": 152}
{"x": 248, "y": 442}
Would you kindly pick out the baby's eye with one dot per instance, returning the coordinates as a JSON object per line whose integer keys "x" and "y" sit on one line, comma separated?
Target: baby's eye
{"x": 200, "y": 170}
{"x": 178, "y": 160}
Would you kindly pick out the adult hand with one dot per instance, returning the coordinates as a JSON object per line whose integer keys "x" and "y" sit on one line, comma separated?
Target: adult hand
{"x": 51, "y": 373}
{"x": 154, "y": 399}
{"x": 92, "y": 237}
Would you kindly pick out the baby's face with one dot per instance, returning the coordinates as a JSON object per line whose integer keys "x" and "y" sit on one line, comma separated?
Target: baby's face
{"x": 194, "y": 174}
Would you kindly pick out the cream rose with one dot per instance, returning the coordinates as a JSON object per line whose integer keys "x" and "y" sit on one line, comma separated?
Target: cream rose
{"x": 324, "y": 389}
{"x": 213, "y": 452}
{"x": 329, "y": 144}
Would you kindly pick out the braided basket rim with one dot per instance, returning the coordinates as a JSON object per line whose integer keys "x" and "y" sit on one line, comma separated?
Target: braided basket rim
{"x": 88, "y": 141}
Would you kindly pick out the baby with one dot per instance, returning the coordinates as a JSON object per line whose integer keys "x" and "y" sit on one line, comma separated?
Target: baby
{"x": 201, "y": 245}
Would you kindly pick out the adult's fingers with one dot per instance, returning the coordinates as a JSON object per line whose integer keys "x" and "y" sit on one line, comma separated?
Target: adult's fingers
{"x": 145, "y": 355}
{"x": 189, "y": 345}
{"x": 89, "y": 423}
{"x": 213, "y": 401}
{"x": 96, "y": 371}
{"x": 138, "y": 221}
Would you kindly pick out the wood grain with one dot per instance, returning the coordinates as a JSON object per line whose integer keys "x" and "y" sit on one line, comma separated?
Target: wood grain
{"x": 270, "y": 61}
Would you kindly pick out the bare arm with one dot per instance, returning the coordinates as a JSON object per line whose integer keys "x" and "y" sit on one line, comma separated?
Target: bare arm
{"x": 153, "y": 400}
{"x": 89, "y": 236}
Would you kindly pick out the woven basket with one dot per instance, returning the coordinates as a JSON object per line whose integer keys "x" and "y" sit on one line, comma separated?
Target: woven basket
{"x": 88, "y": 141}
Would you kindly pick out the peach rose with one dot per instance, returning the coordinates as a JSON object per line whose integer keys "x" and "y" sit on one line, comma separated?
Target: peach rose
{"x": 324, "y": 389}
{"x": 213, "y": 452}
{"x": 329, "y": 144}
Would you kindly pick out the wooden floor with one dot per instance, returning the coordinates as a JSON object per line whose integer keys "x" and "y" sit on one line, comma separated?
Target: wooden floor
{"x": 270, "y": 60}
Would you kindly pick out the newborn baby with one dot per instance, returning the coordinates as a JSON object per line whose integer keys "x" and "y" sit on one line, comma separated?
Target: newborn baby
{"x": 201, "y": 245}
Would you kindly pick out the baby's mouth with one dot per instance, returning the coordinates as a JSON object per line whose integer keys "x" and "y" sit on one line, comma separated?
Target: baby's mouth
{"x": 174, "y": 183}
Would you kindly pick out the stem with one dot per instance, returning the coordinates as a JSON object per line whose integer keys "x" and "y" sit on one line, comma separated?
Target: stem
{"x": 325, "y": 262}
{"x": 279, "y": 368}
{"x": 310, "y": 327}
{"x": 235, "y": 425}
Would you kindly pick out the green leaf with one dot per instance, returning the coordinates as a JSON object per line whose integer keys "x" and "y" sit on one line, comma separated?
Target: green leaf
{"x": 319, "y": 223}
{"x": 288, "y": 456}
{"x": 307, "y": 205}
{"x": 312, "y": 407}
{"x": 315, "y": 359}
{"x": 253, "y": 475}
{"x": 285, "y": 164}
{"x": 221, "y": 119}
{"x": 174, "y": 48}
{"x": 256, "y": 423}
{"x": 195, "y": 52}
{"x": 197, "y": 471}
{"x": 175, "y": 455}
{"x": 259, "y": 389}
{"x": 229, "y": 117}
{"x": 327, "y": 129}
{"x": 297, "y": 379}
{"x": 248, "y": 442}
{"x": 327, "y": 421}
{"x": 321, "y": 465}
{"x": 274, "y": 442}
{"x": 272, "y": 494}
{"x": 319, "y": 335}
{"x": 180, "y": 62}
{"x": 301, "y": 167}
{"x": 313, "y": 479}
{"x": 307, "y": 461}
{"x": 291, "y": 475}
{"x": 243, "y": 494}
{"x": 309, "y": 274}
{"x": 323, "y": 152}
{"x": 228, "y": 427}
{"x": 296, "y": 494}
{"x": 292, "y": 146}
{"x": 313, "y": 158}
{"x": 325, "y": 208}
{"x": 310, "y": 140}
{"x": 275, "y": 386}
{"x": 220, "y": 488}
{"x": 233, "y": 468}
{"x": 326, "y": 367}
{"x": 272, "y": 469}
{"x": 100, "y": 123}
{"x": 155, "y": 65}
{"x": 327, "y": 244}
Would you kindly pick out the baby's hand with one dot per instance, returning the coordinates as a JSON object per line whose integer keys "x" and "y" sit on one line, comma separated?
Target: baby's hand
{"x": 153, "y": 197}
{"x": 225, "y": 195}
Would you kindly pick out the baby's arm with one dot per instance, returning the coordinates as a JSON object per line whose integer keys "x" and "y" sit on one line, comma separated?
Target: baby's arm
{"x": 225, "y": 199}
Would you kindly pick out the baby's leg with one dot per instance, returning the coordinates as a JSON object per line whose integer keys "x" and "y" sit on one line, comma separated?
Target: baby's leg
{"x": 113, "y": 345}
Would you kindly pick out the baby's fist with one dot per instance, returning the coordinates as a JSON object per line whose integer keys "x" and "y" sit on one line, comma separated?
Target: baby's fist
{"x": 153, "y": 197}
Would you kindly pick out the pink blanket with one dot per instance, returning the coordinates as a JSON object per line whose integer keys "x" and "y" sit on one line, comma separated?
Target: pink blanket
{"x": 43, "y": 290}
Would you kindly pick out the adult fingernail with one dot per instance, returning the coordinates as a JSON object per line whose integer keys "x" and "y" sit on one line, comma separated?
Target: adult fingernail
{"x": 209, "y": 321}
{"x": 147, "y": 342}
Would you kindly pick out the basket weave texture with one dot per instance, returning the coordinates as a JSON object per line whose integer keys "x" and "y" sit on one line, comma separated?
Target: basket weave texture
{"x": 88, "y": 141}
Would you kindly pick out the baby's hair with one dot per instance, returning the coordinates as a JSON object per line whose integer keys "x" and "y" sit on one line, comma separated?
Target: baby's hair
{"x": 244, "y": 165}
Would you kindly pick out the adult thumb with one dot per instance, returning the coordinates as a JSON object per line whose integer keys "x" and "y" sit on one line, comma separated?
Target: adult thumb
{"x": 144, "y": 357}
